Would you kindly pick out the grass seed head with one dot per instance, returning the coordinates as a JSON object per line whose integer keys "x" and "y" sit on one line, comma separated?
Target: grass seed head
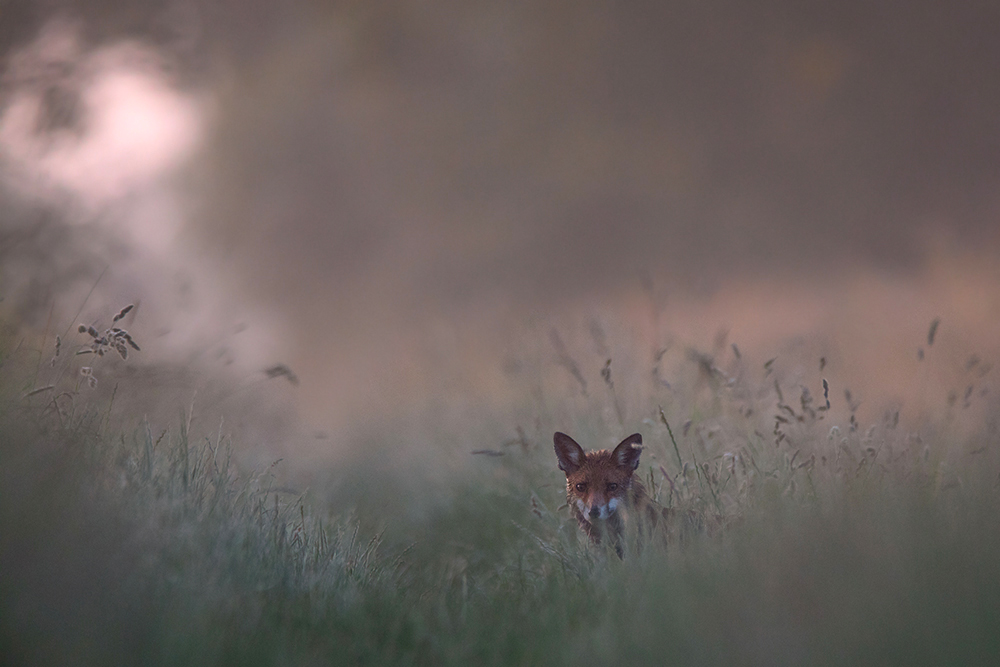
{"x": 123, "y": 312}
{"x": 933, "y": 331}
{"x": 606, "y": 373}
{"x": 281, "y": 370}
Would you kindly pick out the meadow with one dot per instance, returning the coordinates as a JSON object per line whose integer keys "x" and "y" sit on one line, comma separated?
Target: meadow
{"x": 813, "y": 536}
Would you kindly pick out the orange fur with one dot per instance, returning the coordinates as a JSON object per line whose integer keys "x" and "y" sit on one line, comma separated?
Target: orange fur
{"x": 602, "y": 490}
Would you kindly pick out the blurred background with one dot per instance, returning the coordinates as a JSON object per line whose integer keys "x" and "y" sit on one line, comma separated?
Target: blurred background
{"x": 428, "y": 208}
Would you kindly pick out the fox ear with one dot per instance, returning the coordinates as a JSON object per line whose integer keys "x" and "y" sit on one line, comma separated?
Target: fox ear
{"x": 626, "y": 455}
{"x": 569, "y": 453}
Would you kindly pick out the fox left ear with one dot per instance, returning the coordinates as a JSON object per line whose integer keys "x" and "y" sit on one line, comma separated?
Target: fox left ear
{"x": 626, "y": 455}
{"x": 569, "y": 453}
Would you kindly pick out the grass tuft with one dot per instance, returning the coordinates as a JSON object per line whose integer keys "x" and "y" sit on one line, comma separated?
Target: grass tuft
{"x": 800, "y": 539}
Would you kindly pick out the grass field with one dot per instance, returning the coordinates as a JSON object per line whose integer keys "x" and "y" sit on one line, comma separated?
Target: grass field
{"x": 823, "y": 540}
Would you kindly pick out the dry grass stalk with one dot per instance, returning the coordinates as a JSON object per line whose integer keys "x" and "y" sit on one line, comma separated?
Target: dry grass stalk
{"x": 606, "y": 376}
{"x": 566, "y": 361}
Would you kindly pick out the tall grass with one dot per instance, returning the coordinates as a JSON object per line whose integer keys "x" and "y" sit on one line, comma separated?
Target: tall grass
{"x": 809, "y": 542}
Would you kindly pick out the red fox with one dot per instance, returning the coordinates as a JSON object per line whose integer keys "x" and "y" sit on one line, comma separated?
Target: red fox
{"x": 602, "y": 490}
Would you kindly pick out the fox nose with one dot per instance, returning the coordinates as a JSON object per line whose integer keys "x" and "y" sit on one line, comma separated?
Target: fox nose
{"x": 595, "y": 512}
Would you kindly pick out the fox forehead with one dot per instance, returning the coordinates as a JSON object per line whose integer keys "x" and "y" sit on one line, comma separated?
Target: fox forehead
{"x": 598, "y": 467}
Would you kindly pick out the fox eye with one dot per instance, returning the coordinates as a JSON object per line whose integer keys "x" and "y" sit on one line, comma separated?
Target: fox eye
{"x": 612, "y": 486}
{"x": 581, "y": 487}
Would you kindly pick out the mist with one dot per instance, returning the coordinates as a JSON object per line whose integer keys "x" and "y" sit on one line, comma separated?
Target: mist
{"x": 402, "y": 202}
{"x": 293, "y": 296}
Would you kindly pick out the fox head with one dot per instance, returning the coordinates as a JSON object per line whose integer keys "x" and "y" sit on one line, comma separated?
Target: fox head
{"x": 598, "y": 482}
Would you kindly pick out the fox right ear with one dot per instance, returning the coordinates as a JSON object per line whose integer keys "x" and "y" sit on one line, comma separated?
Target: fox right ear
{"x": 569, "y": 453}
{"x": 627, "y": 452}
